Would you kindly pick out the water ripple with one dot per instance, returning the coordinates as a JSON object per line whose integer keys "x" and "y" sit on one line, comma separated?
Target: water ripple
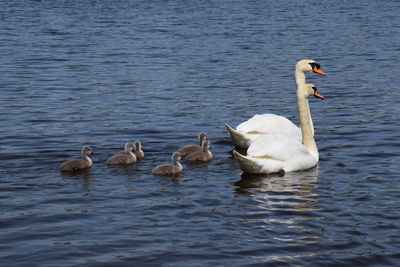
{"x": 102, "y": 74}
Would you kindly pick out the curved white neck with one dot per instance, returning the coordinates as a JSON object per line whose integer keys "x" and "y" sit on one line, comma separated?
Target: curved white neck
{"x": 306, "y": 124}
{"x": 300, "y": 78}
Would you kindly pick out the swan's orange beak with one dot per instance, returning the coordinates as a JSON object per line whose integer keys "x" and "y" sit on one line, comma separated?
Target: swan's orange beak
{"x": 317, "y": 95}
{"x": 319, "y": 71}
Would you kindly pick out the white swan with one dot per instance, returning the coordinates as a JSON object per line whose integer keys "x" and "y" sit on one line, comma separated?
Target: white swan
{"x": 248, "y": 131}
{"x": 271, "y": 153}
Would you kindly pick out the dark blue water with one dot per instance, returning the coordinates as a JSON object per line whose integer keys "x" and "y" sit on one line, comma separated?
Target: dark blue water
{"x": 102, "y": 73}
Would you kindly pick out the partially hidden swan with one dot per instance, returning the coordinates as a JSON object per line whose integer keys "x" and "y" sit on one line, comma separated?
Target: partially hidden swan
{"x": 246, "y": 132}
{"x": 271, "y": 153}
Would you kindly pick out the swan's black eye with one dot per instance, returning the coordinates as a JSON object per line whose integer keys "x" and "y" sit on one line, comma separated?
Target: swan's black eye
{"x": 316, "y": 65}
{"x": 314, "y": 88}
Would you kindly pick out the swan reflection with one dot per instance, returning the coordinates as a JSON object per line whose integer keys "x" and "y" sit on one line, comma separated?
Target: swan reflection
{"x": 299, "y": 183}
{"x": 285, "y": 201}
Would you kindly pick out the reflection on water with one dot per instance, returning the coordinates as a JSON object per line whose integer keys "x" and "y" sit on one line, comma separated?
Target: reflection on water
{"x": 175, "y": 179}
{"x": 87, "y": 72}
{"x": 85, "y": 174}
{"x": 125, "y": 167}
{"x": 287, "y": 200}
{"x": 298, "y": 183}
{"x": 199, "y": 163}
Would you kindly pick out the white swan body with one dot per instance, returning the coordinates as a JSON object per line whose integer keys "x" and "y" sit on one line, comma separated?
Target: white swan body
{"x": 246, "y": 132}
{"x": 271, "y": 153}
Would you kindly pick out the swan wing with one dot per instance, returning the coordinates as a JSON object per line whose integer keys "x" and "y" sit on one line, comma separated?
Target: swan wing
{"x": 289, "y": 151}
{"x": 269, "y": 124}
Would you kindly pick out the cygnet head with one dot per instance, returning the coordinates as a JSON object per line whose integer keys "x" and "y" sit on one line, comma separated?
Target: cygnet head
{"x": 202, "y": 137}
{"x": 129, "y": 147}
{"x": 205, "y": 146}
{"x": 309, "y": 65}
{"x": 86, "y": 150}
{"x": 138, "y": 149}
{"x": 311, "y": 90}
{"x": 176, "y": 157}
{"x": 138, "y": 145}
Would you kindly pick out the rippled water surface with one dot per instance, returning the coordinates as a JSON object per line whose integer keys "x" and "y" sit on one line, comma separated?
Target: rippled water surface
{"x": 102, "y": 73}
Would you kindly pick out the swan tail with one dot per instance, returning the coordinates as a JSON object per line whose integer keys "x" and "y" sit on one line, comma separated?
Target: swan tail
{"x": 246, "y": 164}
{"x": 252, "y": 166}
{"x": 238, "y": 139}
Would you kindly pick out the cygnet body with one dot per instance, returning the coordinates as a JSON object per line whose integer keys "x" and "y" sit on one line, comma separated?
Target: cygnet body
{"x": 123, "y": 158}
{"x": 186, "y": 150}
{"x": 78, "y": 164}
{"x": 169, "y": 169}
{"x": 202, "y": 156}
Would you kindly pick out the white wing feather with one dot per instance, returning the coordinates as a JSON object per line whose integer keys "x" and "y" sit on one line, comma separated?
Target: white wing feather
{"x": 269, "y": 124}
{"x": 267, "y": 150}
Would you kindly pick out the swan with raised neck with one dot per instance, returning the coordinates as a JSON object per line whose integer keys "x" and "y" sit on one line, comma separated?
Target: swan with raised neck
{"x": 306, "y": 123}
{"x": 247, "y": 131}
{"x": 271, "y": 153}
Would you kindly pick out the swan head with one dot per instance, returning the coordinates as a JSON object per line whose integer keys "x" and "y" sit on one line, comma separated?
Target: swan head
{"x": 86, "y": 150}
{"x": 310, "y": 89}
{"x": 129, "y": 147}
{"x": 309, "y": 65}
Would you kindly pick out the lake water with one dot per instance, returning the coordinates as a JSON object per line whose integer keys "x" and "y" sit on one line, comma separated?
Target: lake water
{"x": 102, "y": 73}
